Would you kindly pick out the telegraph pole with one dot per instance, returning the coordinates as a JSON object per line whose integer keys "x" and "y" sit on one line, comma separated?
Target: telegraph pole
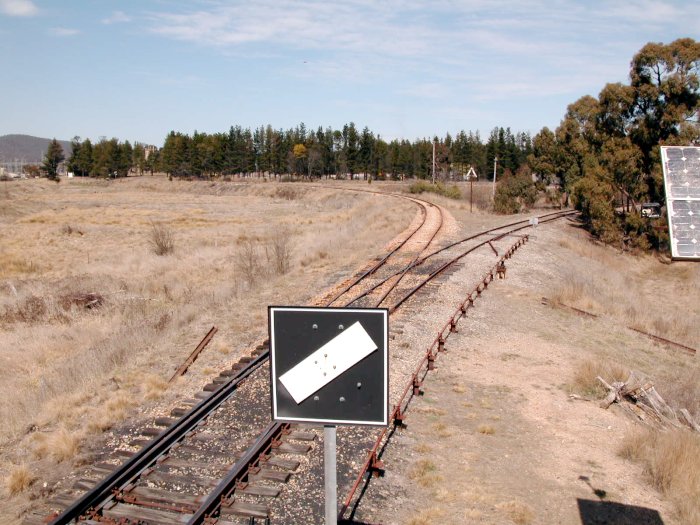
{"x": 495, "y": 164}
{"x": 434, "y": 161}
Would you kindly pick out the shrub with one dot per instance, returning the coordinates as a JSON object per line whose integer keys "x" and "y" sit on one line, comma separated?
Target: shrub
{"x": 162, "y": 239}
{"x": 280, "y": 253}
{"x": 248, "y": 261}
{"x": 451, "y": 192}
{"x": 285, "y": 192}
{"x": 514, "y": 194}
{"x": 19, "y": 479}
{"x": 60, "y": 446}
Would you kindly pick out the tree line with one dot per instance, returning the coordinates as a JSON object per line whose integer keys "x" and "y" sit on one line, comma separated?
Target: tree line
{"x": 299, "y": 151}
{"x": 108, "y": 158}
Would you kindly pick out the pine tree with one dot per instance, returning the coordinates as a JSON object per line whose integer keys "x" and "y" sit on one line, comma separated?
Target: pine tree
{"x": 54, "y": 156}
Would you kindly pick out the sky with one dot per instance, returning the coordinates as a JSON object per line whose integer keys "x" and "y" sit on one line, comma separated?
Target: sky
{"x": 137, "y": 69}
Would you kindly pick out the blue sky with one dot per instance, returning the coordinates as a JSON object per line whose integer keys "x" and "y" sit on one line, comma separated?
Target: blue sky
{"x": 137, "y": 69}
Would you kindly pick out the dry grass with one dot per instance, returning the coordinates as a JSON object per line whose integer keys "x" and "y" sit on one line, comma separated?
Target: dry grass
{"x": 19, "y": 479}
{"x": 580, "y": 291}
{"x": 584, "y": 380}
{"x": 423, "y": 448}
{"x": 671, "y": 461}
{"x": 428, "y": 516}
{"x": 435, "y": 411}
{"x": 684, "y": 391}
{"x": 13, "y": 264}
{"x": 162, "y": 239}
{"x": 115, "y": 410}
{"x": 604, "y": 282}
{"x": 442, "y": 430}
{"x": 424, "y": 472}
{"x": 68, "y": 229}
{"x": 487, "y": 430}
{"x": 517, "y": 512}
{"x": 60, "y": 445}
{"x": 154, "y": 387}
{"x": 287, "y": 192}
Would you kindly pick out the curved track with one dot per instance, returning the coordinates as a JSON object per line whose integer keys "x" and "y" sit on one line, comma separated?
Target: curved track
{"x": 215, "y": 438}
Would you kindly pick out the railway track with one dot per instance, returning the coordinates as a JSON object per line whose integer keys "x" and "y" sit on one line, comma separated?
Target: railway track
{"x": 218, "y": 458}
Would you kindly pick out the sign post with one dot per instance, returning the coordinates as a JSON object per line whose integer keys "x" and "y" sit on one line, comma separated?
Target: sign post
{"x": 330, "y": 473}
{"x": 329, "y": 366}
{"x": 472, "y": 176}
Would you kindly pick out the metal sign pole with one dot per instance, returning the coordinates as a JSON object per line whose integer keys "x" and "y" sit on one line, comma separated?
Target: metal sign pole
{"x": 471, "y": 191}
{"x": 330, "y": 473}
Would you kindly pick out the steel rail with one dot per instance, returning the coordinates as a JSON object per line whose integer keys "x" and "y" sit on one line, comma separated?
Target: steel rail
{"x": 426, "y": 363}
{"x": 238, "y": 472}
{"x": 383, "y": 260}
{"x": 95, "y": 498}
{"x": 544, "y": 218}
{"x": 401, "y": 276}
{"x": 372, "y": 270}
{"x": 218, "y": 496}
{"x": 449, "y": 263}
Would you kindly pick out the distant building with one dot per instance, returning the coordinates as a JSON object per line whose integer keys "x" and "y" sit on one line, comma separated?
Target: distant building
{"x": 148, "y": 149}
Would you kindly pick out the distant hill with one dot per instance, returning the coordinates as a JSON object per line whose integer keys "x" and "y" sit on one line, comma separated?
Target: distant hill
{"x": 28, "y": 149}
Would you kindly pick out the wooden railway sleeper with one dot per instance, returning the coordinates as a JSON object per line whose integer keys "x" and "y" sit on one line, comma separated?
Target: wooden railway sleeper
{"x": 132, "y": 499}
{"x": 441, "y": 344}
{"x": 453, "y": 326}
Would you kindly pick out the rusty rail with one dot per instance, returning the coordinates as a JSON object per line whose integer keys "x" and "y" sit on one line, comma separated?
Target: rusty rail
{"x": 373, "y": 464}
{"x": 195, "y": 353}
{"x": 375, "y": 267}
{"x": 651, "y": 336}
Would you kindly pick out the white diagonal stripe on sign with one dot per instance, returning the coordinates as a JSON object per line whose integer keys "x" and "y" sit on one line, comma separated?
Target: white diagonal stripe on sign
{"x": 328, "y": 362}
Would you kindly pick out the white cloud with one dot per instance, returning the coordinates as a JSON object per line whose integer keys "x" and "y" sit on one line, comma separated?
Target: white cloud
{"x": 307, "y": 25}
{"x": 18, "y": 7}
{"x": 63, "y": 31}
{"x": 116, "y": 17}
{"x": 535, "y": 48}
